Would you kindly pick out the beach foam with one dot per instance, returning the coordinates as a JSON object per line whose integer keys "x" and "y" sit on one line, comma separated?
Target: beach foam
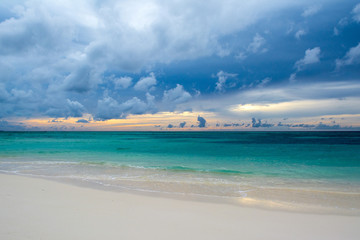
{"x": 255, "y": 191}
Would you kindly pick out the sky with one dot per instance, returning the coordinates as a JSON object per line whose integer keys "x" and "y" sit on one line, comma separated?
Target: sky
{"x": 168, "y": 65}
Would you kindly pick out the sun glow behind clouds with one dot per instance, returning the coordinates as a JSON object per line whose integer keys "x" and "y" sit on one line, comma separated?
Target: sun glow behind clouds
{"x": 346, "y": 106}
{"x": 145, "y": 122}
{"x": 249, "y": 107}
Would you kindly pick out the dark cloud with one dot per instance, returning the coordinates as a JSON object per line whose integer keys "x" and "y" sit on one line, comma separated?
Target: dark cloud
{"x": 299, "y": 125}
{"x": 81, "y": 80}
{"x": 69, "y": 109}
{"x": 75, "y": 108}
{"x": 4, "y": 95}
{"x": 303, "y": 125}
{"x": 258, "y": 123}
{"x": 182, "y": 125}
{"x": 109, "y": 108}
{"x": 21, "y": 95}
{"x": 6, "y": 126}
{"x": 322, "y": 126}
{"x": 134, "y": 106}
{"x": 202, "y": 122}
{"x": 233, "y": 124}
{"x": 82, "y": 121}
{"x": 254, "y": 124}
{"x": 61, "y": 128}
{"x": 55, "y": 121}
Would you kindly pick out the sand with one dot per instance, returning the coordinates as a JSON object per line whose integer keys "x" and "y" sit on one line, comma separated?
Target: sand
{"x": 33, "y": 208}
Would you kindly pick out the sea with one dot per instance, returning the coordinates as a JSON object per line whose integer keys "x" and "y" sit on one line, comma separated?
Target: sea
{"x": 296, "y": 171}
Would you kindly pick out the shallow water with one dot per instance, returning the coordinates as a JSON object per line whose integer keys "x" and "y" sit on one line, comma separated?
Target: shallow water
{"x": 288, "y": 169}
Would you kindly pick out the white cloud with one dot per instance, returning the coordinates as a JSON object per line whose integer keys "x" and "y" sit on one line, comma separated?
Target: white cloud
{"x": 343, "y": 22}
{"x": 259, "y": 83}
{"x": 223, "y": 52}
{"x": 222, "y": 77}
{"x": 350, "y": 58}
{"x": 257, "y": 44}
{"x": 356, "y": 13}
{"x": 312, "y": 10}
{"x": 122, "y": 82}
{"x": 241, "y": 56}
{"x": 146, "y": 83}
{"x": 292, "y": 77}
{"x": 176, "y": 95}
{"x": 311, "y": 56}
{"x": 264, "y": 82}
{"x": 300, "y": 33}
{"x": 340, "y": 25}
{"x": 255, "y": 47}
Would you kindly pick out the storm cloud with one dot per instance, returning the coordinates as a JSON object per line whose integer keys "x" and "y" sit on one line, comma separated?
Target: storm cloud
{"x": 105, "y": 60}
{"x": 202, "y": 122}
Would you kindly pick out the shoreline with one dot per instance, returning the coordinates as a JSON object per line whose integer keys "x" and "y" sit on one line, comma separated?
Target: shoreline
{"x": 34, "y": 208}
{"x": 298, "y": 201}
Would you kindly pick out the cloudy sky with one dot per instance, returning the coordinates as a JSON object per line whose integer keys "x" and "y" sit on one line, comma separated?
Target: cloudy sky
{"x": 179, "y": 65}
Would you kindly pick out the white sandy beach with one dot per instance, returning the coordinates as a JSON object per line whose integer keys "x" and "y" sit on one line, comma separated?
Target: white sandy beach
{"x": 41, "y": 209}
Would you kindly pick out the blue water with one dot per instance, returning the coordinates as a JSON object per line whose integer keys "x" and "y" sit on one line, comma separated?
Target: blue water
{"x": 219, "y": 163}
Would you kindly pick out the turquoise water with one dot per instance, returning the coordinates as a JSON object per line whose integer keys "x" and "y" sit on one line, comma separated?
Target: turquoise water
{"x": 223, "y": 164}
